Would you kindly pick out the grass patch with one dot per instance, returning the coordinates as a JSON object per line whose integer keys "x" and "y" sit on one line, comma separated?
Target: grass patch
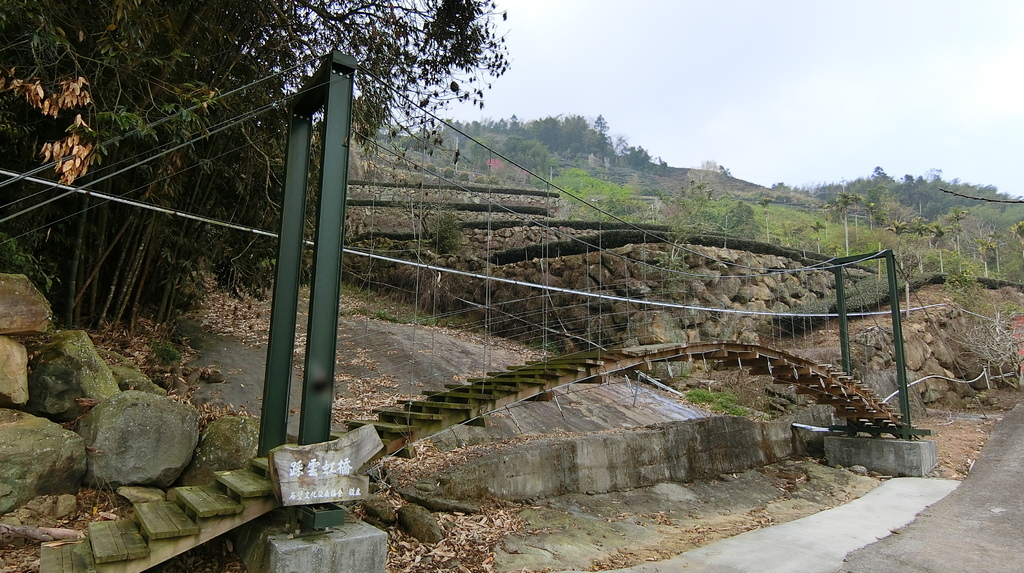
{"x": 722, "y": 402}
{"x": 387, "y": 316}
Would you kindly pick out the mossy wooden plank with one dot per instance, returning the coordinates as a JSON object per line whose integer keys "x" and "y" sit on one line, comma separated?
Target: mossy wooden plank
{"x": 107, "y": 545}
{"x": 400, "y": 428}
{"x": 244, "y": 483}
{"x": 66, "y": 557}
{"x": 469, "y": 394}
{"x": 116, "y": 541}
{"x": 163, "y": 549}
{"x": 260, "y": 465}
{"x": 419, "y": 406}
{"x": 206, "y": 501}
{"x": 132, "y": 539}
{"x": 386, "y": 413}
{"x": 163, "y": 519}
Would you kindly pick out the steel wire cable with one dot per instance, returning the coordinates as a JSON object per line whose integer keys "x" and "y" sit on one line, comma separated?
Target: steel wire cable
{"x": 68, "y": 190}
{"x": 440, "y": 269}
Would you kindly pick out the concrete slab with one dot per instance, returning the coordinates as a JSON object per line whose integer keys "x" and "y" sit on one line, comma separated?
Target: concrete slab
{"x": 355, "y": 547}
{"x": 913, "y": 458}
{"x": 979, "y": 527}
{"x": 814, "y": 544}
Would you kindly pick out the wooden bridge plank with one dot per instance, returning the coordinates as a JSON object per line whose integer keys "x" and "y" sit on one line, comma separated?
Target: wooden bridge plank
{"x": 206, "y": 501}
{"x": 163, "y": 519}
{"x": 425, "y": 405}
{"x": 106, "y": 544}
{"x": 67, "y": 557}
{"x": 244, "y": 483}
{"x": 163, "y": 549}
{"x": 464, "y": 395}
{"x": 117, "y": 540}
{"x": 385, "y": 426}
{"x": 384, "y": 413}
{"x": 260, "y": 465}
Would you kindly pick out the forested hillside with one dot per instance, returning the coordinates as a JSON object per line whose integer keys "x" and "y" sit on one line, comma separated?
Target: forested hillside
{"x": 968, "y": 229}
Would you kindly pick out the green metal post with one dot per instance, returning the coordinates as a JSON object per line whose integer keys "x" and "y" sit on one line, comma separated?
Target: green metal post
{"x": 330, "y": 90}
{"x": 844, "y": 324}
{"x": 322, "y": 330}
{"x": 281, "y": 343}
{"x": 907, "y": 429}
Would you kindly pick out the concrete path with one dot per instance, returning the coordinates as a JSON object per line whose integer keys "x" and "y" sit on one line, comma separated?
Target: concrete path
{"x": 980, "y": 527}
{"x": 814, "y": 544}
{"x": 977, "y": 527}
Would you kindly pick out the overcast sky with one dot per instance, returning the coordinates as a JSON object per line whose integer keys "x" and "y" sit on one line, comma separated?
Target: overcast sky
{"x": 793, "y": 91}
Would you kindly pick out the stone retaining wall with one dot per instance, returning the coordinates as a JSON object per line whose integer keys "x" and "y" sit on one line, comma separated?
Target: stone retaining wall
{"x": 482, "y": 241}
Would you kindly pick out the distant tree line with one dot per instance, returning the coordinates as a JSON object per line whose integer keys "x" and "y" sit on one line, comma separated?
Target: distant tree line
{"x": 573, "y": 139}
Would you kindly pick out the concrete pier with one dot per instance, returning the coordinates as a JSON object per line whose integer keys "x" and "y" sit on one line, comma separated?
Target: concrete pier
{"x": 355, "y": 547}
{"x": 912, "y": 458}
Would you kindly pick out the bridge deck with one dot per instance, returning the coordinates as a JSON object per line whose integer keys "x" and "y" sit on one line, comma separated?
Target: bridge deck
{"x": 823, "y": 383}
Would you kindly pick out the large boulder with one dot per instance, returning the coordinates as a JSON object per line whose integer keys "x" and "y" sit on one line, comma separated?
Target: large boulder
{"x": 13, "y": 372}
{"x": 64, "y": 370}
{"x": 228, "y": 443}
{"x": 38, "y": 457}
{"x": 136, "y": 438}
{"x": 23, "y": 309}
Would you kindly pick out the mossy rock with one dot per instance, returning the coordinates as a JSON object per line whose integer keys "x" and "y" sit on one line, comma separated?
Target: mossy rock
{"x": 39, "y": 458}
{"x": 228, "y": 443}
{"x": 135, "y": 438}
{"x": 64, "y": 370}
{"x": 129, "y": 377}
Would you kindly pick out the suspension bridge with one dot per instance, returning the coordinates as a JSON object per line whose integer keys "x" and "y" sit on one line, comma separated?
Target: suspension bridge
{"x": 463, "y": 403}
{"x": 601, "y": 298}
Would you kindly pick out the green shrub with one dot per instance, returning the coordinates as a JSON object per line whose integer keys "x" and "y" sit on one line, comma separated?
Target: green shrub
{"x": 447, "y": 233}
{"x": 165, "y": 353}
{"x": 15, "y": 260}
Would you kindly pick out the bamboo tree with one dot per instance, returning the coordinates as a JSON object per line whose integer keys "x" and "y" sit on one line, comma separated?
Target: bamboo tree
{"x": 113, "y": 83}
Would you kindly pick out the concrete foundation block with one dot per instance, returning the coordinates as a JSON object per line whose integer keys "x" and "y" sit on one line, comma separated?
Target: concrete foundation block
{"x": 913, "y": 458}
{"x": 355, "y": 547}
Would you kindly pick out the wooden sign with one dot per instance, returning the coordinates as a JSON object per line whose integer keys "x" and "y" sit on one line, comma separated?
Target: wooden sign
{"x": 324, "y": 472}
